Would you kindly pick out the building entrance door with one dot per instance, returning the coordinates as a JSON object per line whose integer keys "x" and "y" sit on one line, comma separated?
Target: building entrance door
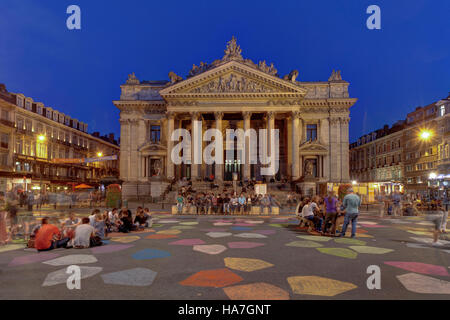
{"x": 232, "y": 165}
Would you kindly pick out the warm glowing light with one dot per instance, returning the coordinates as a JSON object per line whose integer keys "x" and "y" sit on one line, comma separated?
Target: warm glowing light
{"x": 354, "y": 182}
{"x": 99, "y": 154}
{"x": 425, "y": 135}
{"x": 41, "y": 137}
{"x": 433, "y": 175}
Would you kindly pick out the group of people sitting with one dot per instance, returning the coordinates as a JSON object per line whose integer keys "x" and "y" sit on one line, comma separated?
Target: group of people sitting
{"x": 210, "y": 203}
{"x": 75, "y": 232}
{"x": 324, "y": 212}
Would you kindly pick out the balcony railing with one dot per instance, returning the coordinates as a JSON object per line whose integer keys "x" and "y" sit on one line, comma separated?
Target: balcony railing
{"x": 7, "y": 123}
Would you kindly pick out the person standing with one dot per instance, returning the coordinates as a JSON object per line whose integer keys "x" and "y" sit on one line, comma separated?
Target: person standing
{"x": 396, "y": 203}
{"x": 330, "y": 208}
{"x": 30, "y": 201}
{"x": 351, "y": 204}
{"x": 444, "y": 220}
{"x": 4, "y": 237}
{"x": 242, "y": 203}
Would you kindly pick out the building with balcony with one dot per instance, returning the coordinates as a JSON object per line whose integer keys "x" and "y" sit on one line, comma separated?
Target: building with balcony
{"x": 413, "y": 153}
{"x": 44, "y": 148}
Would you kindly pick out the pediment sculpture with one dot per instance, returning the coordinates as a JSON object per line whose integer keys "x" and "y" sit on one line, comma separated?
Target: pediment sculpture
{"x": 232, "y": 83}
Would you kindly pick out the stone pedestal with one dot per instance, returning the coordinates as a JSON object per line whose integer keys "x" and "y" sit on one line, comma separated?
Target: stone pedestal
{"x": 309, "y": 188}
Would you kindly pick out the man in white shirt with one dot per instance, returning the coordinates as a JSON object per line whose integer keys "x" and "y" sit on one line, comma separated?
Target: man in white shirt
{"x": 83, "y": 234}
{"x": 308, "y": 213}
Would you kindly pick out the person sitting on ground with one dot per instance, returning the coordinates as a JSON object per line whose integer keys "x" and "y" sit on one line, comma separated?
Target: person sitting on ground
{"x": 92, "y": 217}
{"x": 69, "y": 225}
{"x": 83, "y": 235}
{"x": 148, "y": 214}
{"x": 100, "y": 226}
{"x": 126, "y": 225}
{"x": 48, "y": 237}
{"x": 141, "y": 220}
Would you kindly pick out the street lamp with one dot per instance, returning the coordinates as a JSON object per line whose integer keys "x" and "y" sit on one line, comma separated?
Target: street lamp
{"x": 425, "y": 134}
{"x": 432, "y": 176}
{"x": 99, "y": 154}
{"x": 41, "y": 137}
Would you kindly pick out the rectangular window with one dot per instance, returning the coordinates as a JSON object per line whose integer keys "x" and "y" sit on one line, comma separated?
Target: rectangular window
{"x": 155, "y": 134}
{"x": 311, "y": 132}
{"x": 4, "y": 140}
{"x": 19, "y": 123}
{"x": 28, "y": 125}
{"x": 19, "y": 147}
{"x": 5, "y": 115}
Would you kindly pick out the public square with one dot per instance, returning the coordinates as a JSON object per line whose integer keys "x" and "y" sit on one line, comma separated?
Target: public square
{"x": 238, "y": 257}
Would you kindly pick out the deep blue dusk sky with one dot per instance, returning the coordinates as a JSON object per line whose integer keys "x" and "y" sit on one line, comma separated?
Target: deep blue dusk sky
{"x": 391, "y": 71}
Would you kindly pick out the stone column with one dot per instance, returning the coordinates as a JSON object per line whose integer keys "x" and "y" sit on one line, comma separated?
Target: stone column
{"x": 134, "y": 154}
{"x": 334, "y": 156}
{"x": 194, "y": 167}
{"x": 218, "y": 176}
{"x": 345, "y": 173}
{"x": 247, "y": 116}
{"x": 170, "y": 172}
{"x": 270, "y": 125}
{"x": 295, "y": 145}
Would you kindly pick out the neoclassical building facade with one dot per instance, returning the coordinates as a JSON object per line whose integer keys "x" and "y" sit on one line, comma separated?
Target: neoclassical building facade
{"x": 233, "y": 93}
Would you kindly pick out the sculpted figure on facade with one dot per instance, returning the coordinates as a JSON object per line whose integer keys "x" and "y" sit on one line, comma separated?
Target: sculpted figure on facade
{"x": 291, "y": 76}
{"x": 309, "y": 168}
{"x": 231, "y": 83}
{"x": 132, "y": 79}
{"x": 174, "y": 78}
{"x": 335, "y": 76}
{"x": 233, "y": 51}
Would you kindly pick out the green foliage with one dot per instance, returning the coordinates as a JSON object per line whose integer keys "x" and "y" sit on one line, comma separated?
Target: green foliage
{"x": 113, "y": 196}
{"x": 342, "y": 190}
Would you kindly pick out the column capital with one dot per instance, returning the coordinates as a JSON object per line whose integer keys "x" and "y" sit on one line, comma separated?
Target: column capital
{"x": 345, "y": 120}
{"x": 218, "y": 115}
{"x": 270, "y": 115}
{"x": 170, "y": 114}
{"x": 334, "y": 121}
{"x": 195, "y": 115}
{"x": 247, "y": 115}
{"x": 296, "y": 114}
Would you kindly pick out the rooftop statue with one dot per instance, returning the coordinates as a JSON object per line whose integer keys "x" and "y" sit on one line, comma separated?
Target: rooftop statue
{"x": 174, "y": 78}
{"x": 335, "y": 76}
{"x": 291, "y": 76}
{"x": 132, "y": 79}
{"x": 233, "y": 51}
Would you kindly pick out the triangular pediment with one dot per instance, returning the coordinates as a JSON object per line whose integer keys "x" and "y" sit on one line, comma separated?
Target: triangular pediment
{"x": 233, "y": 78}
{"x": 151, "y": 147}
{"x": 313, "y": 146}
